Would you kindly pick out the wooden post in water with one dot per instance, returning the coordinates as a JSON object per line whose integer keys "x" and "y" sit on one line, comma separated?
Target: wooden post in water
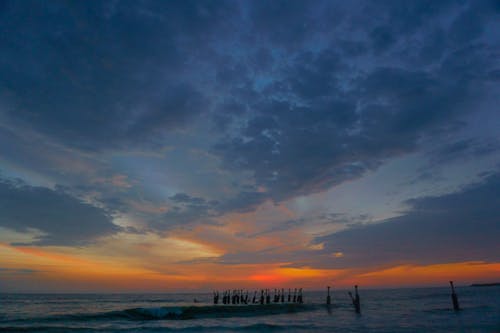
{"x": 454, "y": 297}
{"x": 357, "y": 303}
{"x": 355, "y": 300}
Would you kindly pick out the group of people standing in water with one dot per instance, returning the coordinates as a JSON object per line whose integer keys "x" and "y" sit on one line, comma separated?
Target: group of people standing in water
{"x": 238, "y": 296}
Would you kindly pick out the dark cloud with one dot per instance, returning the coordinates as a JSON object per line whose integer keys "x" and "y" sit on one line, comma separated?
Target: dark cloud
{"x": 453, "y": 153}
{"x": 325, "y": 119}
{"x": 16, "y": 271}
{"x": 63, "y": 219}
{"x": 187, "y": 211}
{"x": 303, "y": 96}
{"x": 462, "y": 150}
{"x": 185, "y": 198}
{"x": 382, "y": 38}
{"x": 457, "y": 227}
{"x": 244, "y": 201}
{"x": 291, "y": 23}
{"x": 101, "y": 74}
{"x": 294, "y": 150}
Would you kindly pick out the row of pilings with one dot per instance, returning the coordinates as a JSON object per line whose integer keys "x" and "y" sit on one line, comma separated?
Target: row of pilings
{"x": 265, "y": 296}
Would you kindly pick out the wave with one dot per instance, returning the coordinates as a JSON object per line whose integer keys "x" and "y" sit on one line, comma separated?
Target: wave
{"x": 180, "y": 312}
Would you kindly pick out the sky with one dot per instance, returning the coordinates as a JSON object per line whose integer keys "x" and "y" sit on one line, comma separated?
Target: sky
{"x": 151, "y": 146}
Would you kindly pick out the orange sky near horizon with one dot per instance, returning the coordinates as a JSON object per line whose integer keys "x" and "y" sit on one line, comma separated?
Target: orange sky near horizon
{"x": 50, "y": 270}
{"x": 187, "y": 146}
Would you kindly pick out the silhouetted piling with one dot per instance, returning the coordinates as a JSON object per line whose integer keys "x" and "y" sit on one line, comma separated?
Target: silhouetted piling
{"x": 454, "y": 297}
{"x": 328, "y": 298}
{"x": 356, "y": 302}
{"x": 216, "y": 297}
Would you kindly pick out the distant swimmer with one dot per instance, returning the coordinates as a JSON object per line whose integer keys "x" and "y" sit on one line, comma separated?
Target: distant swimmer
{"x": 355, "y": 300}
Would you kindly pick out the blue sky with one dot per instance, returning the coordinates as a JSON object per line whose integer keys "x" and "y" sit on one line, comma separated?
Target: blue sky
{"x": 318, "y": 135}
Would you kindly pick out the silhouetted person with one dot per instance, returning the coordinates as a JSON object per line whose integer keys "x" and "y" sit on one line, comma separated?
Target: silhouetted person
{"x": 282, "y": 295}
{"x": 454, "y": 297}
{"x": 254, "y": 299}
{"x": 268, "y": 296}
{"x": 328, "y": 298}
{"x": 261, "y": 296}
{"x": 299, "y": 297}
{"x": 295, "y": 295}
{"x": 355, "y": 300}
{"x": 289, "y": 295}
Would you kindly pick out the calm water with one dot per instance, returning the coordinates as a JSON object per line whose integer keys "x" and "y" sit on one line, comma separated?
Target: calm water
{"x": 401, "y": 310}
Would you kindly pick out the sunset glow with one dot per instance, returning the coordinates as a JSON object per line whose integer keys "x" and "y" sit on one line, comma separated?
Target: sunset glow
{"x": 167, "y": 146}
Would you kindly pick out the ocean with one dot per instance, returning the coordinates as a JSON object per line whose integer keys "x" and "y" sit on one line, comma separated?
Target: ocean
{"x": 389, "y": 310}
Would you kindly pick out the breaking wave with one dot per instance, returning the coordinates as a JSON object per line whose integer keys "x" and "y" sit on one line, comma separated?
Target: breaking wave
{"x": 183, "y": 312}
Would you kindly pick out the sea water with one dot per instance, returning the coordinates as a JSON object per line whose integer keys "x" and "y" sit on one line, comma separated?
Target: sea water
{"x": 390, "y": 310}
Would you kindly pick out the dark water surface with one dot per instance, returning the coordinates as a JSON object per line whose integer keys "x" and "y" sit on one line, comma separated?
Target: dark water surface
{"x": 397, "y": 310}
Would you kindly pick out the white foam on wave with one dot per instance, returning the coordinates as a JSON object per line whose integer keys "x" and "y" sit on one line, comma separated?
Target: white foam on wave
{"x": 160, "y": 312}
